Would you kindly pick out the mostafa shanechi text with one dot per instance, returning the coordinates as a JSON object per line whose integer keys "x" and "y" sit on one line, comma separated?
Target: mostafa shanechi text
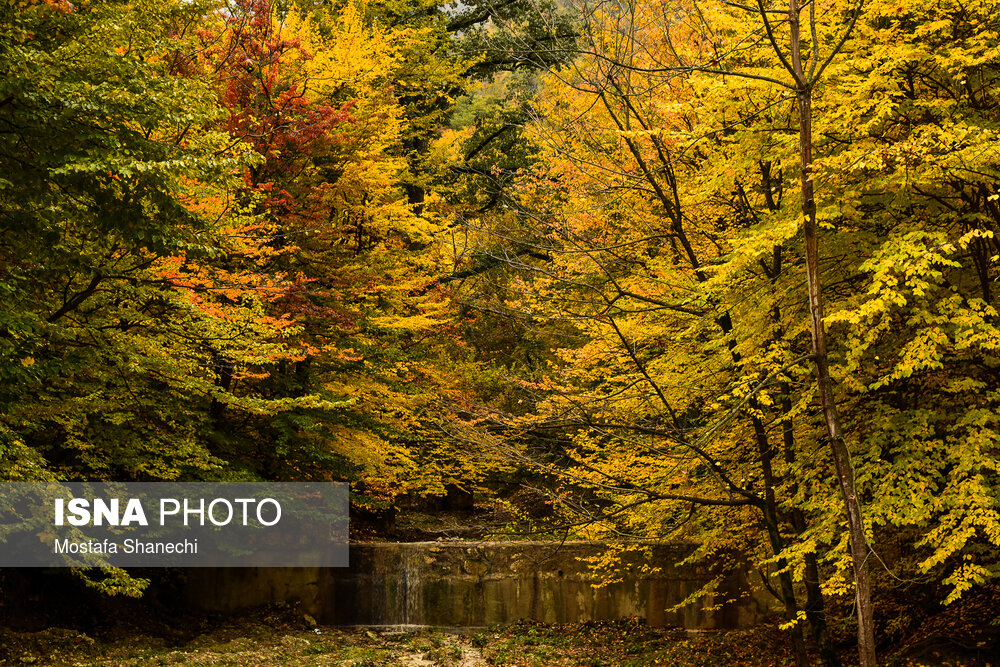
{"x": 173, "y": 524}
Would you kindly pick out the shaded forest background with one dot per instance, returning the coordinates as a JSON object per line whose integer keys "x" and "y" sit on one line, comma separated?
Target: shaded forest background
{"x": 421, "y": 246}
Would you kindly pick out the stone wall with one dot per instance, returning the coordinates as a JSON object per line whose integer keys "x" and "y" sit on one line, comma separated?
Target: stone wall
{"x": 470, "y": 584}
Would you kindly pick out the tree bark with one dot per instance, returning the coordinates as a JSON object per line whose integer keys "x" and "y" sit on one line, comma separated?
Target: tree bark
{"x": 771, "y": 523}
{"x": 838, "y": 447}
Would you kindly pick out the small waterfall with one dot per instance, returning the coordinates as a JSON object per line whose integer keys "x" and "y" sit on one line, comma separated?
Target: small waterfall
{"x": 478, "y": 584}
{"x": 412, "y": 587}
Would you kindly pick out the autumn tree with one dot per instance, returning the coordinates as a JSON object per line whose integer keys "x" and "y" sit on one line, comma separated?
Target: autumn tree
{"x": 328, "y": 96}
{"x": 192, "y": 211}
{"x": 111, "y": 178}
{"x": 661, "y": 227}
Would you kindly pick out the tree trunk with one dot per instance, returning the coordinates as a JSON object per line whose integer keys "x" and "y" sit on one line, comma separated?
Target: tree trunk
{"x": 771, "y": 523}
{"x": 814, "y": 608}
{"x": 838, "y": 447}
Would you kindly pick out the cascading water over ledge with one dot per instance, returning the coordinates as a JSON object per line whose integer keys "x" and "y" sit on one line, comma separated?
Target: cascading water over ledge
{"x": 474, "y": 584}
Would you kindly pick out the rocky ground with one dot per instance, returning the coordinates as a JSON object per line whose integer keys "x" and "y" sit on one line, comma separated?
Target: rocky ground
{"x": 283, "y": 635}
{"x": 275, "y": 641}
{"x": 280, "y": 639}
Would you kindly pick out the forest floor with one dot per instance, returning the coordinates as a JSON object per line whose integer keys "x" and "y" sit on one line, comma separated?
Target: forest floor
{"x": 281, "y": 639}
{"x": 274, "y": 641}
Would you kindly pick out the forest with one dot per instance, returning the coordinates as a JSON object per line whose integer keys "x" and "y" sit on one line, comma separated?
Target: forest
{"x": 704, "y": 270}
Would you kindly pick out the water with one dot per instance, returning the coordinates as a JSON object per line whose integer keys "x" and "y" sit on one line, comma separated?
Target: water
{"x": 476, "y": 584}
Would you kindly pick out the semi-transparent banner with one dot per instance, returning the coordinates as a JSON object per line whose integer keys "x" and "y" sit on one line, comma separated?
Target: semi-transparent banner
{"x": 173, "y": 524}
